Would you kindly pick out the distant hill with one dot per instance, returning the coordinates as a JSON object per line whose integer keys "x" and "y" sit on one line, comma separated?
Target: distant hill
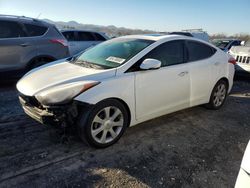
{"x": 111, "y": 31}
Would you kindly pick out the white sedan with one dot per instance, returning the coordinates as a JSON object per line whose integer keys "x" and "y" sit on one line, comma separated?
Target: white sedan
{"x": 126, "y": 81}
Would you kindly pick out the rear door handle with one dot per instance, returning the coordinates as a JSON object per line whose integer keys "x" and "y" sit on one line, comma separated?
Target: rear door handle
{"x": 183, "y": 73}
{"x": 25, "y": 44}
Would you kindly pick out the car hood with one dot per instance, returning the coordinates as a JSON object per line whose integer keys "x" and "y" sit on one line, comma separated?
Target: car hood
{"x": 58, "y": 73}
{"x": 240, "y": 50}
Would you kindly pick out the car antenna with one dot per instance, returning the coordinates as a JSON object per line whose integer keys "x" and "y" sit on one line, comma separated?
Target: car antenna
{"x": 38, "y": 15}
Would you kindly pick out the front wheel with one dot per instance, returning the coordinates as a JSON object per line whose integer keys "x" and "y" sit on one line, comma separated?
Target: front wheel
{"x": 218, "y": 95}
{"x": 103, "y": 125}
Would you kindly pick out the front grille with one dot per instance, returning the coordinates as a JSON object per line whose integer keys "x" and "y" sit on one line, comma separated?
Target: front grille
{"x": 243, "y": 59}
{"x": 30, "y": 100}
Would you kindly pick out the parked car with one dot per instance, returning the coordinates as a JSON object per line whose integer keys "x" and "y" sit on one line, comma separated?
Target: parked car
{"x": 242, "y": 56}
{"x": 126, "y": 81}
{"x": 26, "y": 43}
{"x": 226, "y": 44}
{"x": 199, "y": 34}
{"x": 243, "y": 179}
{"x": 80, "y": 40}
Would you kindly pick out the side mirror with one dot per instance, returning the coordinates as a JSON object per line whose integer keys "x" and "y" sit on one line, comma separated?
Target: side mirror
{"x": 148, "y": 64}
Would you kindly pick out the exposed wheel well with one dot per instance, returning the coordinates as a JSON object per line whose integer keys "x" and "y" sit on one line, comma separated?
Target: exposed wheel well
{"x": 40, "y": 59}
{"x": 85, "y": 108}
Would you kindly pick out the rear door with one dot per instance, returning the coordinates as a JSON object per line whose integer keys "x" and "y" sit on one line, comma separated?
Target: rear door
{"x": 71, "y": 37}
{"x": 12, "y": 46}
{"x": 204, "y": 70}
{"x": 85, "y": 40}
{"x": 98, "y": 38}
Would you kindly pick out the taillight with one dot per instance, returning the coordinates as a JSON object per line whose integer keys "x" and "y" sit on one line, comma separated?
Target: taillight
{"x": 59, "y": 41}
{"x": 232, "y": 61}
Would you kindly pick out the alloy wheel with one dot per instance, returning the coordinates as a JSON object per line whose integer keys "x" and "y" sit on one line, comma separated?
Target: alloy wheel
{"x": 219, "y": 95}
{"x": 107, "y": 124}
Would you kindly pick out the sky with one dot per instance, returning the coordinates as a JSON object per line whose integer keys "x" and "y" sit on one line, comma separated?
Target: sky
{"x": 214, "y": 16}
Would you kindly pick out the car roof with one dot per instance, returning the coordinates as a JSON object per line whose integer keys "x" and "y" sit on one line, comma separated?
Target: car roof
{"x": 228, "y": 39}
{"x": 157, "y": 37}
{"x": 181, "y": 33}
{"x": 23, "y": 19}
{"x": 80, "y": 30}
{"x": 163, "y": 38}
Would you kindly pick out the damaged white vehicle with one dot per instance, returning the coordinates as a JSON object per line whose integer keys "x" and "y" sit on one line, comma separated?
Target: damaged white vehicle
{"x": 126, "y": 81}
{"x": 242, "y": 56}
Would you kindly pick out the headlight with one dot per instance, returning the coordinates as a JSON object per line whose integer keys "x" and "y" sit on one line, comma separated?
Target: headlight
{"x": 64, "y": 93}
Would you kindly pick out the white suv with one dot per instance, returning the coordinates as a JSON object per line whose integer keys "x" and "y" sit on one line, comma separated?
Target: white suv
{"x": 242, "y": 56}
{"x": 126, "y": 81}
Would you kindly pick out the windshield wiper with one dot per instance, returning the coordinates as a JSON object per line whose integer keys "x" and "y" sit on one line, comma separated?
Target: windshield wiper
{"x": 87, "y": 64}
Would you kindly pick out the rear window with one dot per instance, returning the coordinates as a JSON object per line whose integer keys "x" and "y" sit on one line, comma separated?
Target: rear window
{"x": 222, "y": 44}
{"x": 35, "y": 30}
{"x": 85, "y": 36}
{"x": 99, "y": 37}
{"x": 198, "y": 51}
{"x": 69, "y": 35}
{"x": 9, "y": 29}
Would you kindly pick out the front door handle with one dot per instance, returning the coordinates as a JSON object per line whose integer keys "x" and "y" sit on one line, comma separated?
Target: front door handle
{"x": 183, "y": 73}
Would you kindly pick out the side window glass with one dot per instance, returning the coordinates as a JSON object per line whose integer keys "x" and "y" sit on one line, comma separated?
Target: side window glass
{"x": 236, "y": 43}
{"x": 9, "y": 29}
{"x": 35, "y": 30}
{"x": 170, "y": 53}
{"x": 69, "y": 35}
{"x": 198, "y": 51}
{"x": 99, "y": 37}
{"x": 85, "y": 36}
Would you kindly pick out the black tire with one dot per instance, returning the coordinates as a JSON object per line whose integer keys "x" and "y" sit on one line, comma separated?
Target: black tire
{"x": 38, "y": 63}
{"x": 86, "y": 118}
{"x": 212, "y": 104}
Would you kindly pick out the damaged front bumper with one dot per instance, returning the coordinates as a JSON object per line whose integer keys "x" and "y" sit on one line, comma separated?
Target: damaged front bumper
{"x": 61, "y": 115}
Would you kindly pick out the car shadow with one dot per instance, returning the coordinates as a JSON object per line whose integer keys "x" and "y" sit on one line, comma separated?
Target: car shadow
{"x": 7, "y": 85}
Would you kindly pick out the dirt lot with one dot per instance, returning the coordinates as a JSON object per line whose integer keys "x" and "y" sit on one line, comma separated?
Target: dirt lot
{"x": 191, "y": 148}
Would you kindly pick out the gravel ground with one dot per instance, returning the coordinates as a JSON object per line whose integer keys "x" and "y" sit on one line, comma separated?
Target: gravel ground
{"x": 191, "y": 148}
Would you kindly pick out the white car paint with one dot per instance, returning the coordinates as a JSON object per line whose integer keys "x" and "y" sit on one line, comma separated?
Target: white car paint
{"x": 243, "y": 179}
{"x": 148, "y": 94}
{"x": 63, "y": 73}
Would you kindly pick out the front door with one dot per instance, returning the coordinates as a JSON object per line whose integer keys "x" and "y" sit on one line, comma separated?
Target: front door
{"x": 166, "y": 89}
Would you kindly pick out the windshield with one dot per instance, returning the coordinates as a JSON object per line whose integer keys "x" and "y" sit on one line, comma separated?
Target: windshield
{"x": 222, "y": 44}
{"x": 112, "y": 53}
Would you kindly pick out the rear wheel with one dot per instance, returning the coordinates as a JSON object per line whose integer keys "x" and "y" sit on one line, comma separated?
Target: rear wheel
{"x": 103, "y": 125}
{"x": 218, "y": 95}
